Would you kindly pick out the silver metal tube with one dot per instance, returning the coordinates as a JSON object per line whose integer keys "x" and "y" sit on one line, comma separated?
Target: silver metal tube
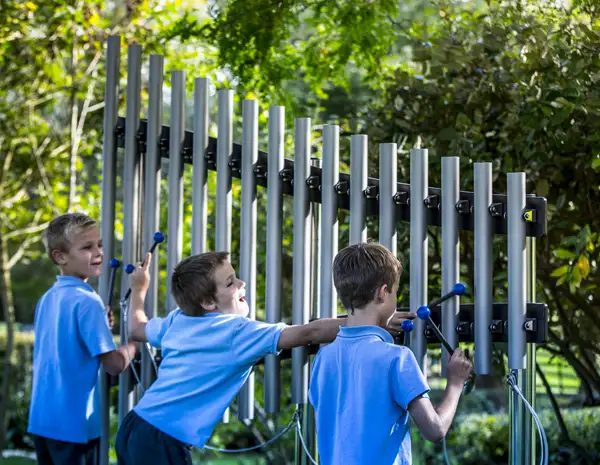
{"x": 358, "y": 185}
{"x": 301, "y": 264}
{"x": 388, "y": 173}
{"x": 130, "y": 198}
{"x": 224, "y": 199}
{"x": 450, "y": 250}
{"x": 419, "y": 188}
{"x": 273, "y": 266}
{"x": 483, "y": 267}
{"x": 152, "y": 196}
{"x": 248, "y": 234}
{"x": 175, "y": 203}
{"x": 329, "y": 221}
{"x": 199, "y": 175}
{"x": 109, "y": 188}
{"x": 517, "y": 284}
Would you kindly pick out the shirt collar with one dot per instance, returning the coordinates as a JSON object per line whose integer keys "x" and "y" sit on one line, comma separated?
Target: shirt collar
{"x": 67, "y": 281}
{"x": 352, "y": 332}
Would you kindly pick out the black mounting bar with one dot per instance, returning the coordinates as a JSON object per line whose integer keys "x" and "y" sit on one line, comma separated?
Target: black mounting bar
{"x": 536, "y": 218}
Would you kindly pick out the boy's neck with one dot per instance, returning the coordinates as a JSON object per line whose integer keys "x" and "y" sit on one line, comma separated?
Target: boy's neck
{"x": 364, "y": 317}
{"x": 73, "y": 275}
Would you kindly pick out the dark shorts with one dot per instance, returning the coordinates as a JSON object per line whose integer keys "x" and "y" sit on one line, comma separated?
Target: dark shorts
{"x": 53, "y": 452}
{"x": 140, "y": 443}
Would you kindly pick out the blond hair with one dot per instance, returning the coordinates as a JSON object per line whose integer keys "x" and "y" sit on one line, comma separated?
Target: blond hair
{"x": 60, "y": 232}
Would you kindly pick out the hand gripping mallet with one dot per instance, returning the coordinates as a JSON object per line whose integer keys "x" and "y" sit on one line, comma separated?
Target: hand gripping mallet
{"x": 158, "y": 238}
{"x": 424, "y": 313}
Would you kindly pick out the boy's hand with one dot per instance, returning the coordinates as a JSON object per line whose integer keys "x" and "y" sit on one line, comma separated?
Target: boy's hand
{"x": 139, "y": 280}
{"x": 111, "y": 317}
{"x": 459, "y": 368}
{"x": 394, "y": 325}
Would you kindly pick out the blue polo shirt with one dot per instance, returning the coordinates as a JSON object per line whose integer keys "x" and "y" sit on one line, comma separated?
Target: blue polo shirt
{"x": 205, "y": 362}
{"x": 360, "y": 388}
{"x": 71, "y": 331}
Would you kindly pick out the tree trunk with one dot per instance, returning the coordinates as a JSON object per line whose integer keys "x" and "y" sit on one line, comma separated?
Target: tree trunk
{"x": 9, "y": 318}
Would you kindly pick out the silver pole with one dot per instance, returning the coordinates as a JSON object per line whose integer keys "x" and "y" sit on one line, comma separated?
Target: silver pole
{"x": 301, "y": 263}
{"x": 529, "y": 386}
{"x": 175, "y": 203}
{"x": 273, "y": 266}
{"x": 152, "y": 196}
{"x": 450, "y": 250}
{"x": 248, "y": 234}
{"x": 109, "y": 188}
{"x": 358, "y": 185}
{"x": 130, "y": 198}
{"x": 419, "y": 188}
{"x": 329, "y": 221}
{"x": 517, "y": 291}
{"x": 199, "y": 176}
{"x": 388, "y": 173}
{"x": 483, "y": 267}
{"x": 517, "y": 285}
{"x": 224, "y": 199}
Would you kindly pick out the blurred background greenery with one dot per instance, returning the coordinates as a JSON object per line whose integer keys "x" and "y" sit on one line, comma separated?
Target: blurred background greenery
{"x": 512, "y": 82}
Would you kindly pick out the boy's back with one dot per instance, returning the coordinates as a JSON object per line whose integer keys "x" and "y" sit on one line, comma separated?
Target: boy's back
{"x": 360, "y": 387}
{"x": 206, "y": 360}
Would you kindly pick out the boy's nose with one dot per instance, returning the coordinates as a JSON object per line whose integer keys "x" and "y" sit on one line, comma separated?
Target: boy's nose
{"x": 242, "y": 284}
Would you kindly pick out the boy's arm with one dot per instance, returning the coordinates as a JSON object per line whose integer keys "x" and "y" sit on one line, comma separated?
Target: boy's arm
{"x": 118, "y": 360}
{"x": 137, "y": 319}
{"x": 320, "y": 331}
{"x": 434, "y": 423}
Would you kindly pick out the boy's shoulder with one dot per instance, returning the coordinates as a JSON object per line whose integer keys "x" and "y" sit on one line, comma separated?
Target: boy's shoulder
{"x": 79, "y": 295}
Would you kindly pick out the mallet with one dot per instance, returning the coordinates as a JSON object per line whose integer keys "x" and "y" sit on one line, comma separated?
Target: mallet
{"x": 158, "y": 238}
{"x": 114, "y": 264}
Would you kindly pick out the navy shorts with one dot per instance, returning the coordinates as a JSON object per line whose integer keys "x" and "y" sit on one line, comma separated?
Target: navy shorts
{"x": 140, "y": 443}
{"x": 53, "y": 452}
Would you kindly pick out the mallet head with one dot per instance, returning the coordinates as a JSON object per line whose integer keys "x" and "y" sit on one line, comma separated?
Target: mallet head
{"x": 424, "y": 313}
{"x": 114, "y": 263}
{"x": 459, "y": 289}
{"x": 408, "y": 326}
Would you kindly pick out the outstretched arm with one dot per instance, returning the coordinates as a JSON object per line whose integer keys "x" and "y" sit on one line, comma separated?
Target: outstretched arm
{"x": 320, "y": 331}
{"x": 139, "y": 282}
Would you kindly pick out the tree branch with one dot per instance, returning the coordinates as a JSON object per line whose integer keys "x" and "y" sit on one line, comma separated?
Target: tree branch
{"x": 21, "y": 251}
{"x": 25, "y": 231}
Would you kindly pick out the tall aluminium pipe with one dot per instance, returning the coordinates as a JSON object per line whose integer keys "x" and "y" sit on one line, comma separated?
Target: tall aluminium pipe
{"x": 130, "y": 198}
{"x": 248, "y": 234}
{"x": 315, "y": 253}
{"x": 199, "y": 174}
{"x": 301, "y": 251}
{"x": 329, "y": 221}
{"x": 273, "y": 266}
{"x": 483, "y": 267}
{"x": 388, "y": 173}
{"x": 419, "y": 187}
{"x": 175, "y": 202}
{"x": 358, "y": 185}
{"x": 109, "y": 188}
{"x": 224, "y": 199}
{"x": 450, "y": 250}
{"x": 152, "y": 196}
{"x": 517, "y": 289}
{"x": 517, "y": 285}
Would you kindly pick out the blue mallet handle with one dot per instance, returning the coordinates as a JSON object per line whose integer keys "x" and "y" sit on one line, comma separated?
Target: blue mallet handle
{"x": 158, "y": 238}
{"x": 114, "y": 264}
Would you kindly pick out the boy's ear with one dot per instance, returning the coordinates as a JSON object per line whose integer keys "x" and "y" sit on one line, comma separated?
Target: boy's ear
{"x": 208, "y": 306}
{"x": 58, "y": 256}
{"x": 382, "y": 292}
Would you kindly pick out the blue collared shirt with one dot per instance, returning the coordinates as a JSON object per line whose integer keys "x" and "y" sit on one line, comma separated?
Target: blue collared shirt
{"x": 205, "y": 362}
{"x": 71, "y": 331}
{"x": 360, "y": 388}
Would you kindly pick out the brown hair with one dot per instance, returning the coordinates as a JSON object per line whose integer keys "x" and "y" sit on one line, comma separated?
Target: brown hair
{"x": 61, "y": 230}
{"x": 360, "y": 270}
{"x": 192, "y": 281}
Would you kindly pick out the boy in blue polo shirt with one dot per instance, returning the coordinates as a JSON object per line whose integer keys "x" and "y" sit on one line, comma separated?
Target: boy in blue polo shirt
{"x": 208, "y": 349}
{"x": 363, "y": 387}
{"x": 72, "y": 338}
